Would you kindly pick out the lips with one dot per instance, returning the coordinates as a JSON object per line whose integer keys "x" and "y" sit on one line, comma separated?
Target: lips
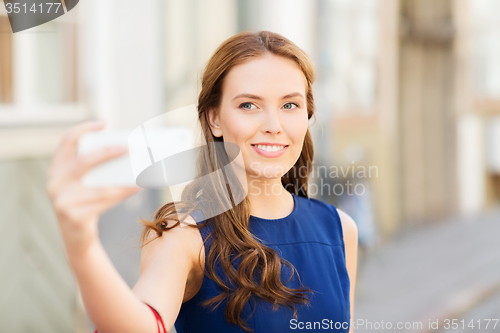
{"x": 269, "y": 149}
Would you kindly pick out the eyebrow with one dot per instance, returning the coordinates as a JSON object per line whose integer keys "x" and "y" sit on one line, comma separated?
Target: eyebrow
{"x": 260, "y": 98}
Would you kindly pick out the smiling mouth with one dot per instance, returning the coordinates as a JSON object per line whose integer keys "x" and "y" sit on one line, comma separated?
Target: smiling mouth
{"x": 271, "y": 148}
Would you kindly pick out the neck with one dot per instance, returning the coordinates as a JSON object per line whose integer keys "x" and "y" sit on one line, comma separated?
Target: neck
{"x": 269, "y": 199}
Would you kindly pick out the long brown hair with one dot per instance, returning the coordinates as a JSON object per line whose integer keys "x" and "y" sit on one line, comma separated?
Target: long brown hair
{"x": 260, "y": 266}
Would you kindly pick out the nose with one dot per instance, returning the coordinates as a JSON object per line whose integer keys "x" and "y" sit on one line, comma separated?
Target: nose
{"x": 272, "y": 123}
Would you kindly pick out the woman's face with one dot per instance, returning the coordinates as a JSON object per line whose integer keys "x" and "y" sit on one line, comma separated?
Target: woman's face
{"x": 263, "y": 110}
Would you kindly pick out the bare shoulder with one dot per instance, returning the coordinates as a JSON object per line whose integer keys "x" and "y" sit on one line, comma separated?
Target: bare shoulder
{"x": 183, "y": 240}
{"x": 350, "y": 231}
{"x": 170, "y": 270}
{"x": 349, "y": 227}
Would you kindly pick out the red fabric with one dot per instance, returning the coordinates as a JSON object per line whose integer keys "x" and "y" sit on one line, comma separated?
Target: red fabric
{"x": 158, "y": 320}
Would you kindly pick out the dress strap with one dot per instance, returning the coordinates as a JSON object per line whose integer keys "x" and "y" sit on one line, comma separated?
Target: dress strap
{"x": 158, "y": 320}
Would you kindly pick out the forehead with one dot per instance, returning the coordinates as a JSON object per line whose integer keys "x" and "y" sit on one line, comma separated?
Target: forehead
{"x": 267, "y": 76}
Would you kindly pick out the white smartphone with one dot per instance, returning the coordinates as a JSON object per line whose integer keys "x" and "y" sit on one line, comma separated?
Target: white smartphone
{"x": 145, "y": 148}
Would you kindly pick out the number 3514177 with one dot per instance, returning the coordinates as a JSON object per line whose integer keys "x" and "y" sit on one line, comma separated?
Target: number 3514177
{"x": 474, "y": 324}
{"x": 42, "y": 8}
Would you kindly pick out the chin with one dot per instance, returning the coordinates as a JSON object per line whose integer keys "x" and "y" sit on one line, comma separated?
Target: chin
{"x": 268, "y": 171}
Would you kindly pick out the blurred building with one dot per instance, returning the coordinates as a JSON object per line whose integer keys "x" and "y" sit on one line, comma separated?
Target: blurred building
{"x": 432, "y": 126}
{"x": 408, "y": 91}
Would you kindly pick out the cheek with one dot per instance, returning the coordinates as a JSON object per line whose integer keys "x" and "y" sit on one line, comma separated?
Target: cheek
{"x": 298, "y": 129}
{"x": 235, "y": 129}
{"x": 297, "y": 136}
{"x": 239, "y": 130}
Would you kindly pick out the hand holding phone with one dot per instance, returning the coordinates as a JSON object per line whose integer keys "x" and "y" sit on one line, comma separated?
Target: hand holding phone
{"x": 77, "y": 206}
{"x": 149, "y": 157}
{"x": 113, "y": 172}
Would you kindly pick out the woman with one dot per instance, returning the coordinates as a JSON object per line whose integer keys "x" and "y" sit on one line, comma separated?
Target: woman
{"x": 273, "y": 261}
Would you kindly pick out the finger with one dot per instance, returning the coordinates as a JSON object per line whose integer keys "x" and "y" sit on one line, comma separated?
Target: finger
{"x": 68, "y": 146}
{"x": 88, "y": 161}
{"x": 73, "y": 171}
{"x": 60, "y": 176}
{"x": 108, "y": 198}
{"x": 77, "y": 195}
{"x": 119, "y": 195}
{"x": 96, "y": 200}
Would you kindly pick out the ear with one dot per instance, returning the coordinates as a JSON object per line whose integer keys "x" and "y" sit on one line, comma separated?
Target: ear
{"x": 213, "y": 122}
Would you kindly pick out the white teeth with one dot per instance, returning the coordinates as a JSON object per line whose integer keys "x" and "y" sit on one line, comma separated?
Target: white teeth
{"x": 270, "y": 149}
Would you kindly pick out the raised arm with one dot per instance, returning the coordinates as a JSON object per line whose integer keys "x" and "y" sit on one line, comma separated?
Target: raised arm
{"x": 110, "y": 303}
{"x": 166, "y": 264}
{"x": 171, "y": 270}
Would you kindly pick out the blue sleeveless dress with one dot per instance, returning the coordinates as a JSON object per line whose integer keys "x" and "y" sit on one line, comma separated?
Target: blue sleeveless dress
{"x": 311, "y": 239}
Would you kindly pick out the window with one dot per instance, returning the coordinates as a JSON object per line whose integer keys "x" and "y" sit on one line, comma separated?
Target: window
{"x": 39, "y": 78}
{"x": 348, "y": 55}
{"x": 486, "y": 49}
